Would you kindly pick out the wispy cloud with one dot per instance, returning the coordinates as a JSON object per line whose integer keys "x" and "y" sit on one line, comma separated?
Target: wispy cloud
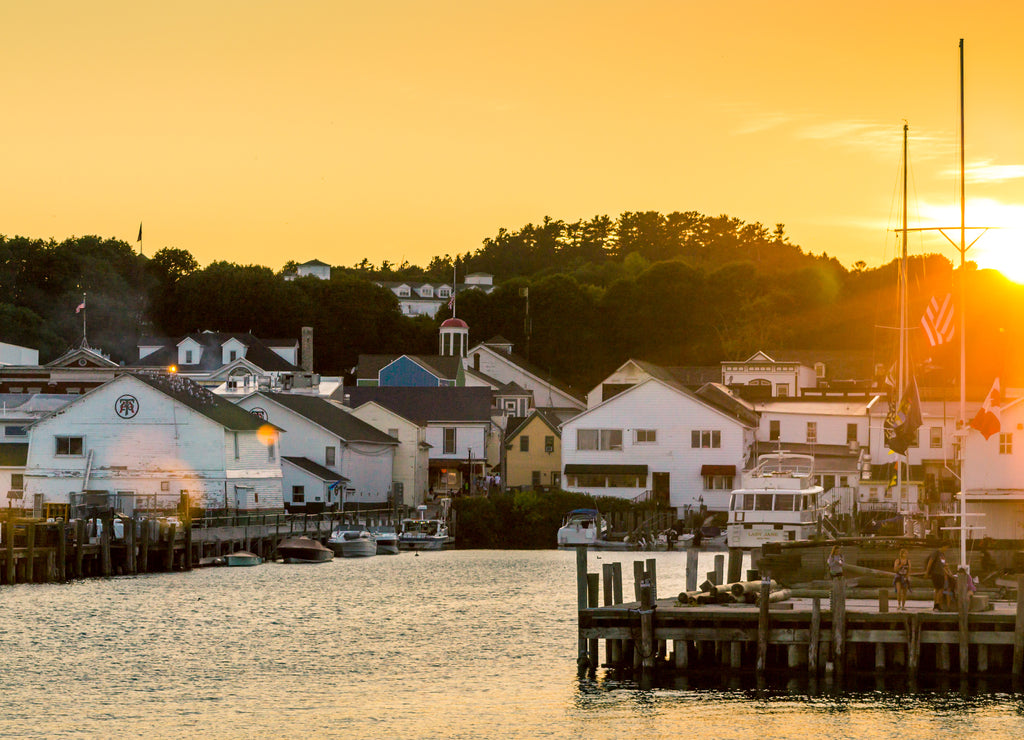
{"x": 760, "y": 122}
{"x": 988, "y": 172}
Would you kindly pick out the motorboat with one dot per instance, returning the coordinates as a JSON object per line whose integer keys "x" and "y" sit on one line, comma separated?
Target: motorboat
{"x": 303, "y": 550}
{"x": 352, "y": 543}
{"x": 387, "y": 540}
{"x": 779, "y": 501}
{"x": 242, "y": 558}
{"x": 582, "y": 527}
{"x": 423, "y": 534}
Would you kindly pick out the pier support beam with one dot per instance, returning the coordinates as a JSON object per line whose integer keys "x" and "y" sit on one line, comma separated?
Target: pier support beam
{"x": 814, "y": 639}
{"x": 839, "y": 624}
{"x": 963, "y": 600}
{"x": 691, "y": 570}
{"x": 735, "y": 570}
{"x": 762, "y": 626}
{"x": 581, "y": 604}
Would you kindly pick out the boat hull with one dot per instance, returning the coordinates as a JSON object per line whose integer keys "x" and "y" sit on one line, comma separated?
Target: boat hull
{"x": 303, "y": 550}
{"x": 387, "y": 545}
{"x": 242, "y": 559}
{"x": 360, "y": 548}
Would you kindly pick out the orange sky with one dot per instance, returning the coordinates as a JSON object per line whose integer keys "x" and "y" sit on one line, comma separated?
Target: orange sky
{"x": 259, "y": 132}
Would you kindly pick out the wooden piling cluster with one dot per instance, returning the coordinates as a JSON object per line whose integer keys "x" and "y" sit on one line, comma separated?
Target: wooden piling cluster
{"x": 811, "y": 636}
{"x": 39, "y": 551}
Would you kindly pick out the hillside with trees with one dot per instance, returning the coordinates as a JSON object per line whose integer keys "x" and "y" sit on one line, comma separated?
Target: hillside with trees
{"x": 676, "y": 289}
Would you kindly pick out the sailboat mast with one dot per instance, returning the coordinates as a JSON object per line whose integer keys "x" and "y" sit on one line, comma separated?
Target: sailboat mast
{"x": 902, "y": 364}
{"x": 963, "y": 324}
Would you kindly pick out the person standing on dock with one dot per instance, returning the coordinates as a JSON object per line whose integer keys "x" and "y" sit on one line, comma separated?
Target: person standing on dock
{"x": 835, "y": 562}
{"x": 901, "y": 581}
{"x": 936, "y": 570}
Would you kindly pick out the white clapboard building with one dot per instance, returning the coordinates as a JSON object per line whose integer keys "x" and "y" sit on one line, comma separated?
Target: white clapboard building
{"x": 659, "y": 440}
{"x": 145, "y": 439}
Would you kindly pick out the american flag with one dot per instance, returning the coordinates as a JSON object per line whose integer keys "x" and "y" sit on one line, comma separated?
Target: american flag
{"x": 937, "y": 321}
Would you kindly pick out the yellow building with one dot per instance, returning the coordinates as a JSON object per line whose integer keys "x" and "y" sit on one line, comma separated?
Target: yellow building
{"x": 533, "y": 451}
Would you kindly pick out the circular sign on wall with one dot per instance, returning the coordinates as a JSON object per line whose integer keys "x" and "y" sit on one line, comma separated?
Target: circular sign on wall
{"x": 259, "y": 412}
{"x": 126, "y": 406}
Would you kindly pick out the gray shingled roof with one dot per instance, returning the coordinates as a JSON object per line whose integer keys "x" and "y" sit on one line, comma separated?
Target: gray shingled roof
{"x": 423, "y": 405}
{"x": 315, "y": 468}
{"x": 331, "y": 417}
{"x": 200, "y": 399}
{"x": 257, "y": 351}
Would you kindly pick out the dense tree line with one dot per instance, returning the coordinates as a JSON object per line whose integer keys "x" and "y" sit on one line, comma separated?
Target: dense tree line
{"x": 577, "y": 299}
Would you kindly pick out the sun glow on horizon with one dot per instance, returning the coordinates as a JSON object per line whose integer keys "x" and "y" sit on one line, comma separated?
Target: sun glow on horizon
{"x": 1000, "y": 248}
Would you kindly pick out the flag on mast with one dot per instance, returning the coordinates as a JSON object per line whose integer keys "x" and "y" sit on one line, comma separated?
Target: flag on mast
{"x": 139, "y": 238}
{"x": 987, "y": 420}
{"x": 937, "y": 321}
{"x": 80, "y": 307}
{"x": 904, "y": 420}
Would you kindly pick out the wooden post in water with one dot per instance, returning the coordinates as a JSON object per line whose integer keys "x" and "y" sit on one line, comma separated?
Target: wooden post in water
{"x": 762, "y": 626}
{"x": 652, "y": 576}
{"x": 691, "y": 570}
{"x": 719, "y": 570}
{"x": 814, "y": 639}
{"x": 9, "y": 542}
{"x": 129, "y": 546}
{"x": 187, "y": 564}
{"x": 144, "y": 546}
{"x": 735, "y": 564}
{"x": 30, "y": 552}
{"x": 581, "y": 604}
{"x": 169, "y": 554}
{"x": 963, "y": 601}
{"x": 839, "y": 624}
{"x": 647, "y": 651}
{"x": 883, "y": 601}
{"x": 62, "y": 551}
{"x": 608, "y": 577}
{"x": 593, "y": 588}
{"x": 105, "y": 536}
{"x": 638, "y": 577}
{"x": 913, "y": 642}
{"x": 1018, "y": 630}
{"x": 81, "y": 540}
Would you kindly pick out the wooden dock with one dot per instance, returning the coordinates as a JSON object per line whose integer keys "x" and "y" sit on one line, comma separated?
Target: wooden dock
{"x": 39, "y": 551}
{"x": 807, "y": 636}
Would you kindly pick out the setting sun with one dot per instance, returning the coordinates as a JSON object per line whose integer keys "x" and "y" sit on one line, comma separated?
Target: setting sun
{"x": 997, "y": 248}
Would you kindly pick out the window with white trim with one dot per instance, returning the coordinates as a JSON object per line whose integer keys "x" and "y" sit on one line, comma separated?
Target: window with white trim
{"x": 706, "y": 438}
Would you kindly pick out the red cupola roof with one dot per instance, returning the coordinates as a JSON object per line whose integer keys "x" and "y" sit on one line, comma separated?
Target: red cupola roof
{"x": 454, "y": 323}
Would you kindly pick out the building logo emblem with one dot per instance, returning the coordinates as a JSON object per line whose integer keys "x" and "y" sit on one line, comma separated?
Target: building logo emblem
{"x": 259, "y": 413}
{"x": 126, "y": 406}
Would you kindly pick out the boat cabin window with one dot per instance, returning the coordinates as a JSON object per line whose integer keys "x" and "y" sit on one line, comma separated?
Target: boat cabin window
{"x": 809, "y": 501}
{"x": 784, "y": 501}
{"x": 762, "y": 502}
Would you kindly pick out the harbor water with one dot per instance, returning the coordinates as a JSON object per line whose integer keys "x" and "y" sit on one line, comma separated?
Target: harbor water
{"x": 453, "y": 644}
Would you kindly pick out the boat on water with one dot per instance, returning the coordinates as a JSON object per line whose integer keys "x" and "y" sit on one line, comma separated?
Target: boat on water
{"x": 779, "y": 500}
{"x": 424, "y": 534}
{"x": 352, "y": 543}
{"x": 242, "y": 558}
{"x": 304, "y": 550}
{"x": 587, "y": 528}
{"x": 386, "y": 539}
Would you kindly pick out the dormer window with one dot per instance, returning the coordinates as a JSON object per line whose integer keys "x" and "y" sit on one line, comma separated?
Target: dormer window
{"x": 403, "y": 292}
{"x": 188, "y": 357}
{"x": 819, "y": 370}
{"x": 427, "y": 291}
{"x": 444, "y": 292}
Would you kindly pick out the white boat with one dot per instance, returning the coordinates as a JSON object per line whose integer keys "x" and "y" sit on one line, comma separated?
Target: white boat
{"x": 586, "y": 527}
{"x": 423, "y": 534}
{"x": 352, "y": 543}
{"x": 779, "y": 501}
{"x": 387, "y": 540}
{"x": 582, "y": 527}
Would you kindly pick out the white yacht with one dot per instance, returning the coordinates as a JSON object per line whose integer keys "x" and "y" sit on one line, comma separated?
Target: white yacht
{"x": 779, "y": 501}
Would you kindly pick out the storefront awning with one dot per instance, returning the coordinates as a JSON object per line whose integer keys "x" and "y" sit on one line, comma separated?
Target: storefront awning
{"x": 718, "y": 470}
{"x": 576, "y": 468}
